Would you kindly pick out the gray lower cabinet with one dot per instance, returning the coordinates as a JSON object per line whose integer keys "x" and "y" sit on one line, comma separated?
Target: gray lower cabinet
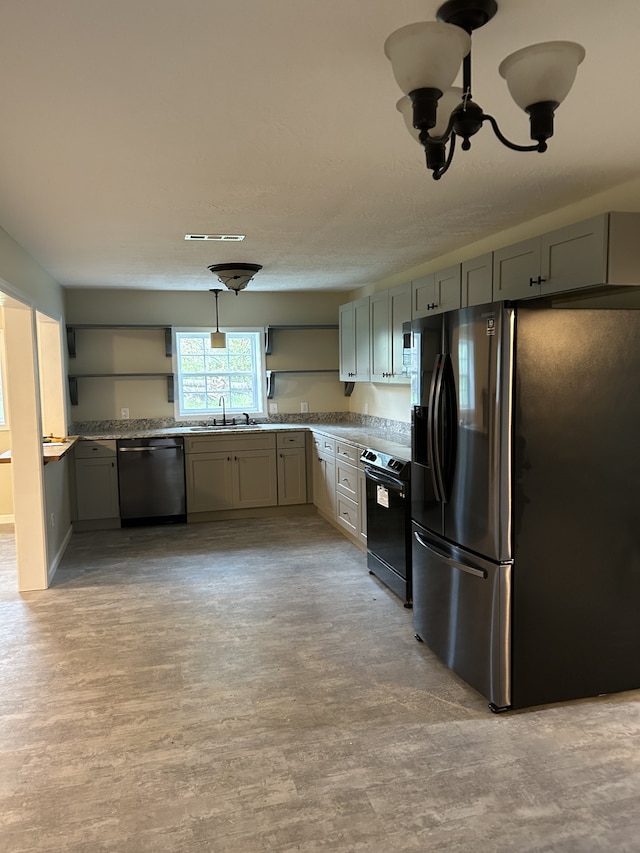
{"x": 324, "y": 474}
{"x": 230, "y": 472}
{"x": 362, "y": 501}
{"x": 292, "y": 468}
{"x": 96, "y": 481}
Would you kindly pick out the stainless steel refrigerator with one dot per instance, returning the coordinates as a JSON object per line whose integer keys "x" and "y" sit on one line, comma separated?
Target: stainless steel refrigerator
{"x": 525, "y": 509}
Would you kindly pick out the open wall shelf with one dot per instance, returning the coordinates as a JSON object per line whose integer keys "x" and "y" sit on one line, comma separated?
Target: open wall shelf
{"x": 73, "y": 382}
{"x": 71, "y": 347}
{"x": 71, "y": 334}
{"x": 268, "y": 348}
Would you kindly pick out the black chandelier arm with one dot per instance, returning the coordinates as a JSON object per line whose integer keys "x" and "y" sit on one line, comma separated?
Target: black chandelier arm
{"x": 539, "y": 146}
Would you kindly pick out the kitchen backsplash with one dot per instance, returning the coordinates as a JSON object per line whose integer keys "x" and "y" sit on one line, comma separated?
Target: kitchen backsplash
{"x": 386, "y": 427}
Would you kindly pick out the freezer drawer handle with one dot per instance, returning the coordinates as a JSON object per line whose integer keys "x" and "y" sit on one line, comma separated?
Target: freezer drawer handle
{"x": 479, "y": 573}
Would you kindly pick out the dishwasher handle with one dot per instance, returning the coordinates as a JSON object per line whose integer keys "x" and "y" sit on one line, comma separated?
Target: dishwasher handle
{"x": 153, "y": 447}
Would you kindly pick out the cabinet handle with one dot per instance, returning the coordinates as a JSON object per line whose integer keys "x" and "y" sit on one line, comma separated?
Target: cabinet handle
{"x": 540, "y": 279}
{"x": 532, "y": 282}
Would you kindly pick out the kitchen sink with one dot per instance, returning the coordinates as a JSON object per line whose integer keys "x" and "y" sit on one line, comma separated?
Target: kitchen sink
{"x": 213, "y": 428}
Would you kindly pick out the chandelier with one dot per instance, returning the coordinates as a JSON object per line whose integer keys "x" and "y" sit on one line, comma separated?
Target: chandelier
{"x": 426, "y": 58}
{"x": 235, "y": 276}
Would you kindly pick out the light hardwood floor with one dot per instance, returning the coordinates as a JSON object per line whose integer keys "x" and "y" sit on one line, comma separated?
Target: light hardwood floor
{"x": 244, "y": 687}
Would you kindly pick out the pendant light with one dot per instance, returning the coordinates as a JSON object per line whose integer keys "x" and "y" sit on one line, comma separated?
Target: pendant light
{"x": 218, "y": 338}
{"x": 426, "y": 58}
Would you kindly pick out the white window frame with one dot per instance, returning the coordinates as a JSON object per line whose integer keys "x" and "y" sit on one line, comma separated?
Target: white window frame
{"x": 230, "y": 411}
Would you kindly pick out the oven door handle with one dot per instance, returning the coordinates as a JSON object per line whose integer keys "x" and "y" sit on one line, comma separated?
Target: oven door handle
{"x": 470, "y": 570}
{"x": 384, "y": 480}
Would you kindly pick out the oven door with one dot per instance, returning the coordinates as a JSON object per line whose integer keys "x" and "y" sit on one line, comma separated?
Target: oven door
{"x": 389, "y": 531}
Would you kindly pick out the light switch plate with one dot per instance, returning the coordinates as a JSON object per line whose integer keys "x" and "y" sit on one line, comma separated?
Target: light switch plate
{"x": 304, "y": 407}
{"x": 273, "y": 408}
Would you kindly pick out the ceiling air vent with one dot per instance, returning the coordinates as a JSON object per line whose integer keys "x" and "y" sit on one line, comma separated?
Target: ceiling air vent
{"x": 231, "y": 238}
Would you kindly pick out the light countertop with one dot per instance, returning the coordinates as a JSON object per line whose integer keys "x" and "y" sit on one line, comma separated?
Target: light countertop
{"x": 395, "y": 445}
{"x": 52, "y": 451}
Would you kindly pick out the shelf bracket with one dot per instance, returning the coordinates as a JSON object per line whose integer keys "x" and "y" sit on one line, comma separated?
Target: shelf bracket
{"x": 348, "y": 388}
{"x": 73, "y": 390}
{"x": 71, "y": 341}
{"x": 170, "y": 388}
{"x": 168, "y": 344}
{"x": 271, "y": 384}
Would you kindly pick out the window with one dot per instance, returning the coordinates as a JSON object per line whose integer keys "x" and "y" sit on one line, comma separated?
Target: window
{"x": 205, "y": 376}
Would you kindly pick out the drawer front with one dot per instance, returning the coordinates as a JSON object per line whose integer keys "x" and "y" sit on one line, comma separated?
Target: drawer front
{"x": 347, "y": 479}
{"x": 347, "y": 514}
{"x": 290, "y": 439}
{"x": 230, "y": 441}
{"x": 86, "y": 449}
{"x": 324, "y": 444}
{"x": 348, "y": 452}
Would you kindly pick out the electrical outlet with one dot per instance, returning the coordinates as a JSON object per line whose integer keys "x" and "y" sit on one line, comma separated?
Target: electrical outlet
{"x": 273, "y": 408}
{"x": 304, "y": 407}
{"x": 53, "y": 521}
{"x": 124, "y": 414}
{"x": 366, "y": 409}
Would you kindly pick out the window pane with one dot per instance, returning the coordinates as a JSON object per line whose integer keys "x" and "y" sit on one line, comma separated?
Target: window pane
{"x": 204, "y": 375}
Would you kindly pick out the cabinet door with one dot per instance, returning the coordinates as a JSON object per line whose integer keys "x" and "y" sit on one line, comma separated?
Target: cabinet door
{"x": 423, "y": 296}
{"x": 347, "y": 343}
{"x": 361, "y": 338}
{"x": 362, "y": 506}
{"x": 380, "y": 338}
{"x": 399, "y": 314}
{"x": 477, "y": 281}
{"x": 576, "y": 256}
{"x": 254, "y": 478}
{"x": 516, "y": 270}
{"x": 209, "y": 485}
{"x": 447, "y": 287}
{"x": 292, "y": 476}
{"x": 97, "y": 488}
{"x": 354, "y": 341}
{"x": 324, "y": 483}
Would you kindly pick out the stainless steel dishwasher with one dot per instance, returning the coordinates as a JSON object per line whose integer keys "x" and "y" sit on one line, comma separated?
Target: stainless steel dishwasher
{"x": 151, "y": 480}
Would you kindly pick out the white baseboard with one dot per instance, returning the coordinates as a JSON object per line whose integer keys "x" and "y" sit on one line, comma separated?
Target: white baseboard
{"x": 58, "y": 557}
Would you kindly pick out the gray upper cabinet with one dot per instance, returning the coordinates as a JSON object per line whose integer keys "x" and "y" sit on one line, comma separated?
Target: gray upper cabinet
{"x": 477, "y": 281}
{"x": 354, "y": 341}
{"x": 603, "y": 250}
{"x": 516, "y": 269}
{"x": 436, "y": 292}
{"x": 389, "y": 309}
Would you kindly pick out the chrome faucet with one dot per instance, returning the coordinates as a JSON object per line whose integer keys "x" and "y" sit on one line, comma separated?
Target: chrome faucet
{"x": 224, "y": 416}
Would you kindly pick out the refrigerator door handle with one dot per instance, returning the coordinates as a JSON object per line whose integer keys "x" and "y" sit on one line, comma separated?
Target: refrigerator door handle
{"x": 432, "y": 426}
{"x": 437, "y": 428}
{"x": 470, "y": 570}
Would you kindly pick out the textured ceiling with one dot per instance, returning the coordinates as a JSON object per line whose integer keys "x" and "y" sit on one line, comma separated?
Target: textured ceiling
{"x": 128, "y": 123}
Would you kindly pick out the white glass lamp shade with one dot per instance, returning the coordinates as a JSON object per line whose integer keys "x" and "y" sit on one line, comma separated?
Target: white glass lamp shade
{"x": 427, "y": 55}
{"x": 542, "y": 72}
{"x": 446, "y": 105}
{"x": 218, "y": 340}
